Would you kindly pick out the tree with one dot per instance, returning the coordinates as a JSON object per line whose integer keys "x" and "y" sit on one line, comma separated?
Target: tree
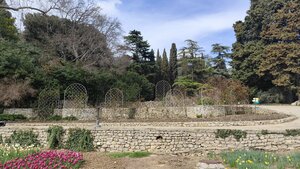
{"x": 219, "y": 61}
{"x": 138, "y": 46}
{"x": 173, "y": 63}
{"x": 192, "y": 49}
{"x": 249, "y": 46}
{"x": 8, "y": 30}
{"x": 266, "y": 53}
{"x": 165, "y": 66}
{"x": 82, "y": 12}
{"x": 281, "y": 56}
{"x": 76, "y": 42}
{"x": 151, "y": 56}
{"x": 18, "y": 65}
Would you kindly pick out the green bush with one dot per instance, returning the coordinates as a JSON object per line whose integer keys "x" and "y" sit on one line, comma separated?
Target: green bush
{"x": 12, "y": 117}
{"x": 199, "y": 116}
{"x": 224, "y": 133}
{"x": 24, "y": 138}
{"x": 55, "y": 134}
{"x": 54, "y": 118}
{"x": 70, "y": 118}
{"x": 138, "y": 154}
{"x": 292, "y": 132}
{"x": 80, "y": 140}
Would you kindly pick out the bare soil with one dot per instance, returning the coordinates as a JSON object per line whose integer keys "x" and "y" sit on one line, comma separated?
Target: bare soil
{"x": 97, "y": 160}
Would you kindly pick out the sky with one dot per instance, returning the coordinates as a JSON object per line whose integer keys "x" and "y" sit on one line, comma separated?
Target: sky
{"x": 163, "y": 22}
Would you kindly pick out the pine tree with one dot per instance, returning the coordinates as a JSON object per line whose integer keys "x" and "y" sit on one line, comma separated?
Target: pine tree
{"x": 173, "y": 63}
{"x": 8, "y": 30}
{"x": 138, "y": 46}
{"x": 151, "y": 56}
{"x": 219, "y": 61}
{"x": 165, "y": 66}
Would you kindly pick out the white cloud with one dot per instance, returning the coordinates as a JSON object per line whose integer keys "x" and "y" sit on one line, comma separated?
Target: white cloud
{"x": 109, "y": 7}
{"x": 161, "y": 32}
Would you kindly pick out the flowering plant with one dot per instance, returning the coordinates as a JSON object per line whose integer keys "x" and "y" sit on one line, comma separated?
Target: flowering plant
{"x": 47, "y": 160}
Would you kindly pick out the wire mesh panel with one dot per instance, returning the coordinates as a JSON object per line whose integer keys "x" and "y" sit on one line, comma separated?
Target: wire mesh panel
{"x": 161, "y": 89}
{"x": 114, "y": 98}
{"x": 75, "y": 97}
{"x": 48, "y": 100}
{"x": 174, "y": 98}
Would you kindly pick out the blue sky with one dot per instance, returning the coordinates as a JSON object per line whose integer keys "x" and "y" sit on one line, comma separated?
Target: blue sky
{"x": 165, "y": 21}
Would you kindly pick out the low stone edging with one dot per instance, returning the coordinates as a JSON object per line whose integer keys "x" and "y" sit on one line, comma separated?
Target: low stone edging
{"x": 164, "y": 124}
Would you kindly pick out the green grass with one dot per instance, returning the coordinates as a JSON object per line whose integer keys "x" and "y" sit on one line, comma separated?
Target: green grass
{"x": 12, "y": 117}
{"x": 260, "y": 160}
{"x": 139, "y": 154}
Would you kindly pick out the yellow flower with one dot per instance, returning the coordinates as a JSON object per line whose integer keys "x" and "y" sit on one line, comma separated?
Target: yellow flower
{"x": 249, "y": 161}
{"x": 267, "y": 163}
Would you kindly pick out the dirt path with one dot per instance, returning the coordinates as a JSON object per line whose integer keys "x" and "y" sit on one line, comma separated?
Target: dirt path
{"x": 286, "y": 109}
{"x": 96, "y": 160}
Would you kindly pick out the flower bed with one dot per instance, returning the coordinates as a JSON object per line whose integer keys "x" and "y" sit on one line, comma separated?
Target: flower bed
{"x": 46, "y": 160}
{"x": 260, "y": 160}
{"x": 15, "y": 151}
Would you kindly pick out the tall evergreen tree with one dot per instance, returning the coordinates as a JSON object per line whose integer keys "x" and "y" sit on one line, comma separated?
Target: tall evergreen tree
{"x": 151, "y": 56}
{"x": 138, "y": 46}
{"x": 266, "y": 53}
{"x": 8, "y": 30}
{"x": 281, "y": 57}
{"x": 165, "y": 66}
{"x": 219, "y": 61}
{"x": 173, "y": 63}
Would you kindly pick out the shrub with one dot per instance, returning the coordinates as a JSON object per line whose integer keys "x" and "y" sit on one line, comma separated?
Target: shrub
{"x": 199, "y": 116}
{"x": 292, "y": 132}
{"x": 226, "y": 91}
{"x": 138, "y": 154}
{"x": 12, "y": 117}
{"x": 55, "y": 134}
{"x": 70, "y": 118}
{"x": 224, "y": 133}
{"x": 23, "y": 138}
{"x": 54, "y": 118}
{"x": 80, "y": 140}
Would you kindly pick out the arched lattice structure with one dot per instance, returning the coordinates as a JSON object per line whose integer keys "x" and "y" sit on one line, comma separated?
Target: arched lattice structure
{"x": 48, "y": 100}
{"x": 75, "y": 97}
{"x": 161, "y": 89}
{"x": 174, "y": 98}
{"x": 114, "y": 98}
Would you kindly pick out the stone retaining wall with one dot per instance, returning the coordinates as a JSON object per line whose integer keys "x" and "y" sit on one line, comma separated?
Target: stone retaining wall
{"x": 134, "y": 113}
{"x": 177, "y": 141}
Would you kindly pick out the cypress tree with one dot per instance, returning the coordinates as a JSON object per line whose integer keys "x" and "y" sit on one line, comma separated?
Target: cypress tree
{"x": 173, "y": 63}
{"x": 152, "y": 56}
{"x": 165, "y": 66}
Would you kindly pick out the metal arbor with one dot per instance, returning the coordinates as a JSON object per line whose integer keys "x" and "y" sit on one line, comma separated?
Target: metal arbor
{"x": 114, "y": 98}
{"x": 161, "y": 89}
{"x": 75, "y": 97}
{"x": 174, "y": 98}
{"x": 48, "y": 100}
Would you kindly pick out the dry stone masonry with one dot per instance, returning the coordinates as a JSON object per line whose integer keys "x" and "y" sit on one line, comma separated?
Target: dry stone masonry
{"x": 175, "y": 141}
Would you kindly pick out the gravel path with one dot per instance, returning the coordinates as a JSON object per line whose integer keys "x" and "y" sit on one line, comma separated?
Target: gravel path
{"x": 286, "y": 109}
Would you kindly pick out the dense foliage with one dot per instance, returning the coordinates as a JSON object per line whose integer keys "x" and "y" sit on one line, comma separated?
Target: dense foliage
{"x": 80, "y": 140}
{"x": 266, "y": 53}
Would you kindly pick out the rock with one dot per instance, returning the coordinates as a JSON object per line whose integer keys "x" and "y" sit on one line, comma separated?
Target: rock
{"x": 210, "y": 165}
{"x": 296, "y": 103}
